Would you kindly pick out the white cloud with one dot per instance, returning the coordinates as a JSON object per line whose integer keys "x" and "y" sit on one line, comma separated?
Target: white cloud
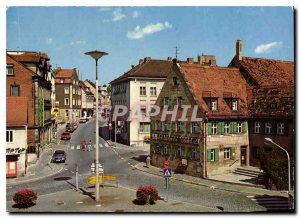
{"x": 118, "y": 15}
{"x": 49, "y": 41}
{"x": 139, "y": 32}
{"x": 79, "y": 42}
{"x": 135, "y": 14}
{"x": 266, "y": 48}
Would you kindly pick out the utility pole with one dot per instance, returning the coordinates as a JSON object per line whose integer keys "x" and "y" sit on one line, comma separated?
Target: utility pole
{"x": 176, "y": 52}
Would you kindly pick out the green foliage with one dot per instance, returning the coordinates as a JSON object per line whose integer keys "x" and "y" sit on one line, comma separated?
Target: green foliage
{"x": 275, "y": 166}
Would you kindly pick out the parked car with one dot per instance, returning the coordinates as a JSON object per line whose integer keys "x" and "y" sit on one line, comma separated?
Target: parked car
{"x": 65, "y": 136}
{"x": 70, "y": 128}
{"x": 82, "y": 120}
{"x": 59, "y": 156}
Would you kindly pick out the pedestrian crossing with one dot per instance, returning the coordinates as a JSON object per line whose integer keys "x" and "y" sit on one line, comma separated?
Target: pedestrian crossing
{"x": 271, "y": 203}
{"x": 78, "y": 147}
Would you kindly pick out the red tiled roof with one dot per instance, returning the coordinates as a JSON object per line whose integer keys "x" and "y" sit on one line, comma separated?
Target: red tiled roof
{"x": 216, "y": 81}
{"x": 268, "y": 72}
{"x": 65, "y": 73}
{"x": 28, "y": 56}
{"x": 261, "y": 98}
{"x": 150, "y": 68}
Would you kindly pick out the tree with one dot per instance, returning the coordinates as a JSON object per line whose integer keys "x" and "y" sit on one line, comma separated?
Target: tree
{"x": 109, "y": 88}
{"x": 275, "y": 166}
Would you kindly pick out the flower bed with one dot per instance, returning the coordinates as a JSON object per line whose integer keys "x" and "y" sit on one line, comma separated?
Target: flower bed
{"x": 25, "y": 198}
{"x": 147, "y": 194}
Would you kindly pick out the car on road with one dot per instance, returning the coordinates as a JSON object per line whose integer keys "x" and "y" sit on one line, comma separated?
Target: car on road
{"x": 59, "y": 156}
{"x": 65, "y": 136}
{"x": 70, "y": 128}
{"x": 82, "y": 120}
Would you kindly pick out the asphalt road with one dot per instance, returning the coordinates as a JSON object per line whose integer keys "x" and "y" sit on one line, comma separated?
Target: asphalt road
{"x": 120, "y": 162}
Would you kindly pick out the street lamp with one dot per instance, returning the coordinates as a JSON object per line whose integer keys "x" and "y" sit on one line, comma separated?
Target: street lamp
{"x": 270, "y": 141}
{"x": 97, "y": 55}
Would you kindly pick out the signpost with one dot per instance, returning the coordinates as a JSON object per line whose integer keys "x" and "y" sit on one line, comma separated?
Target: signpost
{"x": 167, "y": 174}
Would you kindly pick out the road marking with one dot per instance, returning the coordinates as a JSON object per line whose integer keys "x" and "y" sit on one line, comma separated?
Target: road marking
{"x": 72, "y": 172}
{"x": 98, "y": 205}
{"x": 78, "y": 147}
{"x": 79, "y": 202}
{"x": 128, "y": 163}
{"x": 72, "y": 147}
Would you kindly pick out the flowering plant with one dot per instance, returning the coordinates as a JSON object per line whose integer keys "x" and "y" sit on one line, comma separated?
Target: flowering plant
{"x": 147, "y": 194}
{"x": 25, "y": 198}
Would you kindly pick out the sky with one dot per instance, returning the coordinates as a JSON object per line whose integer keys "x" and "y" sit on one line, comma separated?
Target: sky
{"x": 128, "y": 34}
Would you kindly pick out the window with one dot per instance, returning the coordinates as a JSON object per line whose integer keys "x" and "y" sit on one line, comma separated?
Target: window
{"x": 166, "y": 101}
{"x": 268, "y": 128}
{"x": 67, "y": 90}
{"x": 67, "y": 112}
{"x": 257, "y": 127}
{"x": 9, "y": 136}
{"x": 144, "y": 127}
{"x": 212, "y": 154}
{"x": 239, "y": 127}
{"x": 234, "y": 105}
{"x": 273, "y": 105}
{"x": 175, "y": 81}
{"x": 227, "y": 152}
{"x": 158, "y": 125}
{"x": 61, "y": 80}
{"x": 178, "y": 151}
{"x": 153, "y": 91}
{"x": 227, "y": 128}
{"x": 179, "y": 127}
{"x": 179, "y": 101}
{"x": 73, "y": 102}
{"x": 9, "y": 69}
{"x": 194, "y": 154}
{"x": 214, "y": 104}
{"x": 195, "y": 128}
{"x": 280, "y": 128}
{"x": 143, "y": 91}
{"x": 67, "y": 101}
{"x": 73, "y": 91}
{"x": 214, "y": 128}
{"x": 15, "y": 90}
{"x": 167, "y": 126}
{"x": 165, "y": 149}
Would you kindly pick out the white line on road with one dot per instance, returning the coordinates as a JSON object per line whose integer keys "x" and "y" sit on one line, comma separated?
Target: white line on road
{"x": 78, "y": 147}
{"x": 72, "y": 147}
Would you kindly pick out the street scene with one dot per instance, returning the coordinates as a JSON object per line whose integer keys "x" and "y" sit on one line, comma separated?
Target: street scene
{"x": 150, "y": 110}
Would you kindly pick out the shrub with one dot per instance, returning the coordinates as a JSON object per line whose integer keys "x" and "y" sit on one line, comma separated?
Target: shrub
{"x": 25, "y": 198}
{"x": 147, "y": 194}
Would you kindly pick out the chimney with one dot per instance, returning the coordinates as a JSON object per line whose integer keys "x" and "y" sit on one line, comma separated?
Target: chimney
{"x": 140, "y": 61}
{"x": 238, "y": 53}
{"x": 132, "y": 66}
{"x": 169, "y": 58}
{"x": 146, "y": 59}
{"x": 190, "y": 60}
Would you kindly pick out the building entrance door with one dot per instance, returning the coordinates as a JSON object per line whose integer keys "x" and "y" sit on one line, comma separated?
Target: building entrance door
{"x": 243, "y": 155}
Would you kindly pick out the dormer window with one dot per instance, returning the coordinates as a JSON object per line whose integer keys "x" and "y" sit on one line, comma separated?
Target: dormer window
{"x": 273, "y": 105}
{"x": 214, "y": 104}
{"x": 10, "y": 70}
{"x": 179, "y": 101}
{"x": 234, "y": 105}
{"x": 175, "y": 81}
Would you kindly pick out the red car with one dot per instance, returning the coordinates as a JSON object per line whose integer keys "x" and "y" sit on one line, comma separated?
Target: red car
{"x": 65, "y": 136}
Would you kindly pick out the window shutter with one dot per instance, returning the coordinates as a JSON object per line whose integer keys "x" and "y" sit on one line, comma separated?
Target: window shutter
{"x": 245, "y": 127}
{"x": 232, "y": 151}
{"x": 152, "y": 124}
{"x": 234, "y": 127}
{"x": 216, "y": 154}
{"x": 208, "y": 154}
{"x": 221, "y": 128}
{"x": 209, "y": 128}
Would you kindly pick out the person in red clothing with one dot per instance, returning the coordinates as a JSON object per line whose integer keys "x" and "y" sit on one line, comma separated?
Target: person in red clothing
{"x": 83, "y": 144}
{"x": 166, "y": 163}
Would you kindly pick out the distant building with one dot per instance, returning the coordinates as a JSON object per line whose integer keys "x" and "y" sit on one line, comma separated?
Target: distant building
{"x": 28, "y": 107}
{"x": 68, "y": 94}
{"x": 213, "y": 145}
{"x": 87, "y": 101}
{"x": 270, "y": 88}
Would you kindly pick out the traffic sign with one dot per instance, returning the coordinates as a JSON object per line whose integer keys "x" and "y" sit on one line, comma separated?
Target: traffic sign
{"x": 167, "y": 172}
{"x": 101, "y": 170}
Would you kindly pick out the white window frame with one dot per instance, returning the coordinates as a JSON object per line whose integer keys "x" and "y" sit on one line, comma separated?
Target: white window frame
{"x": 239, "y": 128}
{"x": 65, "y": 101}
{"x": 10, "y": 66}
{"x": 280, "y": 128}
{"x": 268, "y": 128}
{"x": 227, "y": 128}
{"x": 179, "y": 126}
{"x": 153, "y": 91}
{"x": 194, "y": 154}
{"x": 10, "y": 136}
{"x": 227, "y": 152}
{"x": 212, "y": 154}
{"x": 178, "y": 151}
{"x": 73, "y": 91}
{"x": 166, "y": 101}
{"x": 234, "y": 105}
{"x": 257, "y": 126}
{"x": 73, "y": 103}
{"x": 11, "y": 90}
{"x": 214, "y": 128}
{"x": 194, "y": 126}
{"x": 65, "y": 90}
{"x": 61, "y": 80}
{"x": 143, "y": 91}
{"x": 144, "y": 127}
{"x": 214, "y": 104}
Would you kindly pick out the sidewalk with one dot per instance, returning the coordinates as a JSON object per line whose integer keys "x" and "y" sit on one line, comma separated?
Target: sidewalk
{"x": 127, "y": 147}
{"x": 43, "y": 168}
{"x": 210, "y": 183}
{"x": 112, "y": 199}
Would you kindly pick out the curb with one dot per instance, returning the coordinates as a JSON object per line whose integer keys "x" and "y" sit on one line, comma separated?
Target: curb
{"x": 34, "y": 179}
{"x": 199, "y": 184}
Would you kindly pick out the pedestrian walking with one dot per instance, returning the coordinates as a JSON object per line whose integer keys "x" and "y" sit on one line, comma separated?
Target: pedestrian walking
{"x": 83, "y": 144}
{"x": 148, "y": 161}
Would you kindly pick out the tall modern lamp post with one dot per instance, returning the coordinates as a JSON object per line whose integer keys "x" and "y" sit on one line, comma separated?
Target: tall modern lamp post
{"x": 97, "y": 55}
{"x": 270, "y": 141}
